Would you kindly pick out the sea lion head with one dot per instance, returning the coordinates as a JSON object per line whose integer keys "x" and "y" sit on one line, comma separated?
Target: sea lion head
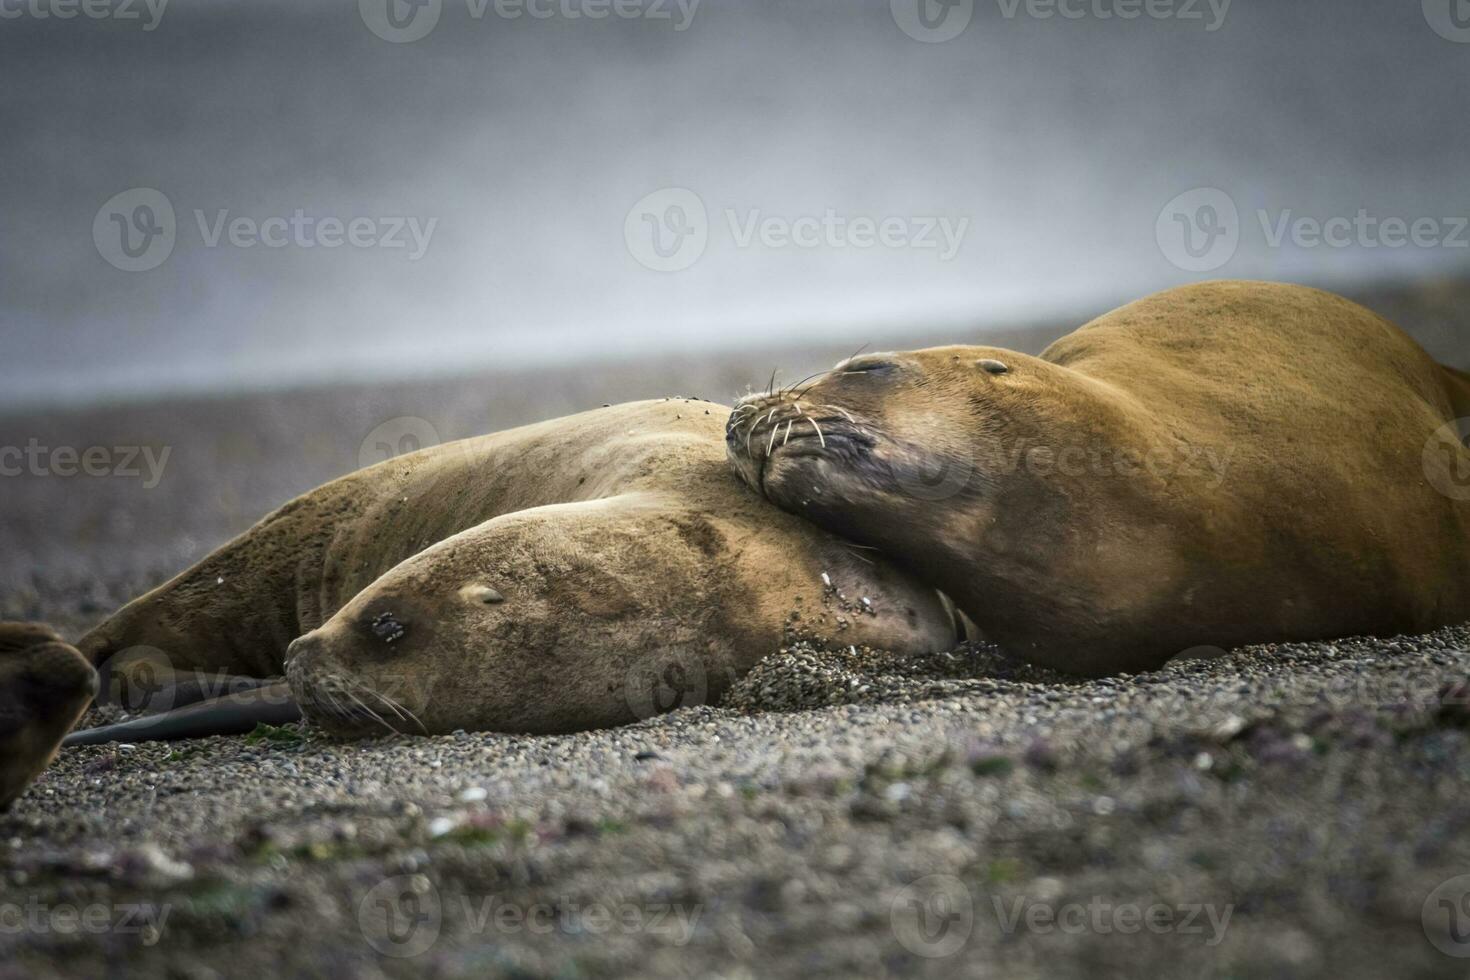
{"x": 530, "y": 623}
{"x": 895, "y": 450}
{"x": 45, "y": 685}
{"x": 392, "y": 659}
{"x": 945, "y": 460}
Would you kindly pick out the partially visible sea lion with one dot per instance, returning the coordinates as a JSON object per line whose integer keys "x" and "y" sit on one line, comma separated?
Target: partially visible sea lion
{"x": 1220, "y": 464}
{"x": 45, "y": 685}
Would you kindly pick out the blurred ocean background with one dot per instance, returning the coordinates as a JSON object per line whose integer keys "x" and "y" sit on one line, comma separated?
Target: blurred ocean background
{"x": 529, "y": 143}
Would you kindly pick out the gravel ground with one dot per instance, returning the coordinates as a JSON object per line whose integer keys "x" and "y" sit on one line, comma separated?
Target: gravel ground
{"x": 1280, "y": 810}
{"x": 1294, "y": 810}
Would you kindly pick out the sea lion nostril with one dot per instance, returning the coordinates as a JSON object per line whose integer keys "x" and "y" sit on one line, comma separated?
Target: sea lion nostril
{"x": 386, "y": 628}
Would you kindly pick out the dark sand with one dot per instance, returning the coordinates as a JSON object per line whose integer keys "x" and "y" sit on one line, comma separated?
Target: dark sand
{"x": 1274, "y": 812}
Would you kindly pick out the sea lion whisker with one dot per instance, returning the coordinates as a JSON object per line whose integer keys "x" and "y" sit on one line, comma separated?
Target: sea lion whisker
{"x": 786, "y": 438}
{"x": 843, "y": 412}
{"x": 809, "y": 377}
{"x": 332, "y": 705}
{"x": 395, "y": 706}
{"x": 821, "y": 437}
{"x": 370, "y": 712}
{"x": 391, "y": 704}
{"x": 772, "y": 443}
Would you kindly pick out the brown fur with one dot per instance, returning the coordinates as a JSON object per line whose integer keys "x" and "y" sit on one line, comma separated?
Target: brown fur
{"x": 45, "y": 685}
{"x": 1219, "y": 464}
{"x": 622, "y": 550}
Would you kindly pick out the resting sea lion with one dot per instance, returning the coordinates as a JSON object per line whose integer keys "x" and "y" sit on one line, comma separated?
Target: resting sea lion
{"x": 1220, "y": 464}
{"x": 574, "y": 574}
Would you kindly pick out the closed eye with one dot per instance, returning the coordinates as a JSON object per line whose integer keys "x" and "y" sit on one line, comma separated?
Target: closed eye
{"x": 866, "y": 367}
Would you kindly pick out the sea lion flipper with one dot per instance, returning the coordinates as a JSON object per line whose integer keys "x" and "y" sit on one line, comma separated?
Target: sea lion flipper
{"x": 232, "y": 714}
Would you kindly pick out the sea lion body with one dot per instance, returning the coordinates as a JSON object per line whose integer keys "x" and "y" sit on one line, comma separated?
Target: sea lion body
{"x": 1220, "y": 464}
{"x": 531, "y": 580}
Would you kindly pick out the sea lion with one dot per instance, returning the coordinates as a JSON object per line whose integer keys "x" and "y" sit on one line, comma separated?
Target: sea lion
{"x": 1217, "y": 465}
{"x": 45, "y": 685}
{"x": 579, "y": 573}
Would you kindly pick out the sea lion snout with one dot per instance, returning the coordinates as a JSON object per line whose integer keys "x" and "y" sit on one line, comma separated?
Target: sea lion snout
{"x": 882, "y": 439}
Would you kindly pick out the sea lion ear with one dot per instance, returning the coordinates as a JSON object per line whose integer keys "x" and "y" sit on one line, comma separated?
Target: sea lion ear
{"x": 991, "y": 365}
